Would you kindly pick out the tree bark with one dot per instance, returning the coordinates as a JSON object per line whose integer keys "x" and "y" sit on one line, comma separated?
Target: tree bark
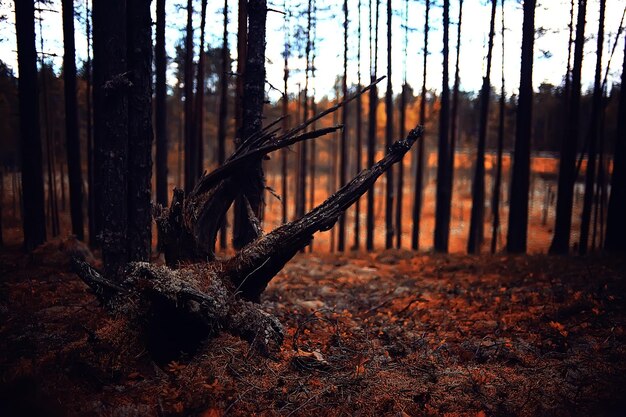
{"x": 518, "y": 212}
{"x": 359, "y": 138}
{"x": 477, "y": 220}
{"x": 191, "y": 147}
{"x": 71, "y": 121}
{"x": 569, "y": 144}
{"x": 371, "y": 131}
{"x": 33, "y": 214}
{"x": 442, "y": 214}
{"x": 389, "y": 231}
{"x": 343, "y": 150}
{"x": 199, "y": 97}
{"x": 223, "y": 109}
{"x": 160, "y": 119}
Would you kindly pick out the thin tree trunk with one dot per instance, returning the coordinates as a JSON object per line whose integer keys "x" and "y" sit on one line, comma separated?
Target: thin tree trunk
{"x": 191, "y": 148}
{"x": 371, "y": 132}
{"x": 495, "y": 198}
{"x": 302, "y": 147}
{"x": 518, "y": 212}
{"x": 596, "y": 109}
{"x": 616, "y": 221}
{"x": 477, "y": 220}
{"x": 400, "y": 189}
{"x": 343, "y": 152}
{"x": 223, "y": 110}
{"x": 389, "y": 138}
{"x": 569, "y": 144}
{"x": 419, "y": 172}
{"x": 71, "y": 121}
{"x": 359, "y": 138}
{"x": 285, "y": 121}
{"x": 92, "y": 213}
{"x": 199, "y": 97}
{"x": 160, "y": 58}
{"x": 442, "y": 215}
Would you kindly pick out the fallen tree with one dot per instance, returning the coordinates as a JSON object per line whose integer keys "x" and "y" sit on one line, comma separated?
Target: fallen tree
{"x": 173, "y": 308}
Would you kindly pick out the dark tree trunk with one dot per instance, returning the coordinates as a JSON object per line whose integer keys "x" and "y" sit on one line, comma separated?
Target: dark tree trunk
{"x": 419, "y": 171}
{"x": 139, "y": 48}
{"x": 518, "y": 211}
{"x": 223, "y": 110}
{"x": 616, "y": 221}
{"x": 199, "y": 98}
{"x": 442, "y": 215}
{"x": 596, "y": 109}
{"x": 389, "y": 232}
{"x": 569, "y": 144}
{"x": 477, "y": 220}
{"x": 253, "y": 183}
{"x": 343, "y": 150}
{"x": 359, "y": 138}
{"x": 455, "y": 103}
{"x": 371, "y": 128}
{"x": 495, "y": 198}
{"x": 160, "y": 119}
{"x": 285, "y": 121}
{"x": 400, "y": 189}
{"x": 33, "y": 214}
{"x": 302, "y": 147}
{"x": 92, "y": 213}
{"x": 71, "y": 121}
{"x": 191, "y": 147}
{"x": 111, "y": 87}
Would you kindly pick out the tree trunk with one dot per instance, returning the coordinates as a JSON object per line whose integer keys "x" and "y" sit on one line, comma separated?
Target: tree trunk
{"x": 343, "y": 150}
{"x": 518, "y": 212}
{"x": 495, "y": 198}
{"x": 477, "y": 220}
{"x": 359, "y": 138}
{"x": 616, "y": 221}
{"x": 71, "y": 121}
{"x": 199, "y": 97}
{"x": 371, "y": 131}
{"x": 596, "y": 109}
{"x": 139, "y": 49}
{"x": 92, "y": 213}
{"x": 419, "y": 171}
{"x": 191, "y": 147}
{"x": 442, "y": 215}
{"x": 33, "y": 214}
{"x": 223, "y": 110}
{"x": 253, "y": 183}
{"x": 285, "y": 121}
{"x": 569, "y": 144}
{"x": 389, "y": 232}
{"x": 160, "y": 119}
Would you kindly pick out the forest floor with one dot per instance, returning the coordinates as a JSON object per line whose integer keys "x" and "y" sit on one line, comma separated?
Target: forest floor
{"x": 393, "y": 333}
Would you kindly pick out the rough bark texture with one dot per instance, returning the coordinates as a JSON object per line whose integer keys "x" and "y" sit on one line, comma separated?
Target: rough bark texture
{"x": 477, "y": 220}
{"x": 616, "y": 221}
{"x": 253, "y": 182}
{"x": 518, "y": 213}
{"x": 139, "y": 129}
{"x": 569, "y": 144}
{"x": 71, "y": 121}
{"x": 442, "y": 214}
{"x": 160, "y": 117}
{"x": 111, "y": 86}
{"x": 33, "y": 214}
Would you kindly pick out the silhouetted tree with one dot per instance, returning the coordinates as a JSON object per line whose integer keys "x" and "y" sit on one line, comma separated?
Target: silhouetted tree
{"x": 616, "y": 221}
{"x": 594, "y": 126}
{"x": 343, "y": 151}
{"x": 419, "y": 171}
{"x": 191, "y": 147}
{"x": 71, "y": 121}
{"x": 400, "y": 189}
{"x": 198, "y": 112}
{"x": 518, "y": 211}
{"x": 569, "y": 145}
{"x": 389, "y": 138}
{"x": 371, "y": 128}
{"x": 359, "y": 137}
{"x": 442, "y": 215}
{"x": 33, "y": 214}
{"x": 223, "y": 110}
{"x": 478, "y": 185}
{"x": 160, "y": 109}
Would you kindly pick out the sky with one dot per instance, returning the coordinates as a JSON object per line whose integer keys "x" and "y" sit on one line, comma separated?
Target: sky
{"x": 550, "y": 55}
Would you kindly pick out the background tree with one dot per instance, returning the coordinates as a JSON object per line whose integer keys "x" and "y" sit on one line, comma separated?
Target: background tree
{"x": 160, "y": 109}
{"x": 403, "y": 99}
{"x": 389, "y": 138}
{"x": 442, "y": 215}
{"x": 191, "y": 147}
{"x": 371, "y": 127}
{"x": 223, "y": 110}
{"x": 616, "y": 221}
{"x": 71, "y": 121}
{"x": 478, "y": 185}
{"x": 569, "y": 145}
{"x": 419, "y": 171}
{"x": 33, "y": 214}
{"x": 343, "y": 150}
{"x": 518, "y": 211}
{"x": 594, "y": 126}
{"x": 198, "y": 113}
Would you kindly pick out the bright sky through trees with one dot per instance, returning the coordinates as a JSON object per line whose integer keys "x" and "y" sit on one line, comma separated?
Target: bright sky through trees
{"x": 552, "y": 17}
